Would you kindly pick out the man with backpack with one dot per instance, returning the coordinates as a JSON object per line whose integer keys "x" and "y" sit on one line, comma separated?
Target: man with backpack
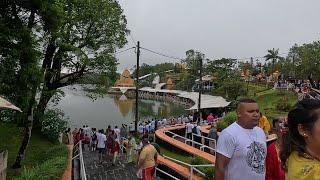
{"x": 94, "y": 140}
{"x": 196, "y": 130}
{"x": 189, "y": 128}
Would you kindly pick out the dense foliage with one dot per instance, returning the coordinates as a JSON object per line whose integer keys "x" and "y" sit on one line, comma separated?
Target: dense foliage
{"x": 53, "y": 123}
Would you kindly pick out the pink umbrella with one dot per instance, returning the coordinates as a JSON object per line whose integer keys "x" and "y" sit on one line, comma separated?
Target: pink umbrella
{"x": 4, "y": 104}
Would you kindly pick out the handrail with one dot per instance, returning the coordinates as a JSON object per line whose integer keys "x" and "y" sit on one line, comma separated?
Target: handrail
{"x": 202, "y": 146}
{"x": 171, "y": 176}
{"x": 192, "y": 167}
{"x": 83, "y": 174}
{"x": 210, "y": 139}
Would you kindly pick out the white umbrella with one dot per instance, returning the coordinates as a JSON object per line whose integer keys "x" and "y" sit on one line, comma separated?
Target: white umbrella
{"x": 4, "y": 104}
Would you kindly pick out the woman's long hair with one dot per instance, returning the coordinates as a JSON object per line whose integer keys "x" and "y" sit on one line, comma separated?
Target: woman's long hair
{"x": 303, "y": 113}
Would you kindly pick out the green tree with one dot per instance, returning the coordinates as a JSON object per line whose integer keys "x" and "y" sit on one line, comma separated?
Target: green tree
{"x": 221, "y": 68}
{"x": 20, "y": 52}
{"x": 84, "y": 43}
{"x": 273, "y": 54}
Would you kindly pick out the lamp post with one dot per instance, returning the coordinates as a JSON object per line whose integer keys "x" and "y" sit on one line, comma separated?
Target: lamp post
{"x": 200, "y": 87}
{"x": 137, "y": 89}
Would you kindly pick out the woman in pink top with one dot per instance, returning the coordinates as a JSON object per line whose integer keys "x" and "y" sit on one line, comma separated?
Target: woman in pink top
{"x": 210, "y": 118}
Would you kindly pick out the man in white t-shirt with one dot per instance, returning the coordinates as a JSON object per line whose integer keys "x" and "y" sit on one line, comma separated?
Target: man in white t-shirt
{"x": 189, "y": 127}
{"x": 131, "y": 128}
{"x": 101, "y": 144}
{"x": 164, "y": 122}
{"x": 117, "y": 132}
{"x": 179, "y": 120}
{"x": 241, "y": 148}
{"x": 140, "y": 129}
{"x": 184, "y": 119}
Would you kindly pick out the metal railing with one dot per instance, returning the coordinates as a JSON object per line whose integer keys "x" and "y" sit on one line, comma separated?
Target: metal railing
{"x": 83, "y": 174}
{"x": 186, "y": 140}
{"x": 192, "y": 167}
{"x": 209, "y": 139}
{"x": 163, "y": 172}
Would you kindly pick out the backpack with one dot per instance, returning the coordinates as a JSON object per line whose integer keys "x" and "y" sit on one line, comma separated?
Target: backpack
{"x": 194, "y": 130}
{"x": 94, "y": 137}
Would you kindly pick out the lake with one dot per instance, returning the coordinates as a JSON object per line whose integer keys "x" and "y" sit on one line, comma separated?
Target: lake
{"x": 111, "y": 109}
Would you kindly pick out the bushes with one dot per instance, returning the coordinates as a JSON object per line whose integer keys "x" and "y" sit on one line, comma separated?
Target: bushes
{"x": 221, "y": 125}
{"x": 52, "y": 168}
{"x": 208, "y": 171}
{"x": 54, "y": 123}
{"x": 283, "y": 104}
{"x": 230, "y": 117}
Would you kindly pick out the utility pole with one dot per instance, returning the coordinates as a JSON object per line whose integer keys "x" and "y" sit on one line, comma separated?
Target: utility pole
{"x": 137, "y": 89}
{"x": 200, "y": 87}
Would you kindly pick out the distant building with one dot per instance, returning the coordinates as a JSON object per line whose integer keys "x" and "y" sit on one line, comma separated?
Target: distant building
{"x": 125, "y": 80}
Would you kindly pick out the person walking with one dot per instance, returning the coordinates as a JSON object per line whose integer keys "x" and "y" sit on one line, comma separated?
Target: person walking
{"x": 132, "y": 145}
{"x": 101, "y": 144}
{"x": 213, "y": 134}
{"x": 147, "y": 159}
{"x": 264, "y": 124}
{"x": 241, "y": 148}
{"x": 189, "y": 128}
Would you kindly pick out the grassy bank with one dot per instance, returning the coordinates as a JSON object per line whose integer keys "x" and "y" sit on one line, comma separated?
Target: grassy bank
{"x": 37, "y": 151}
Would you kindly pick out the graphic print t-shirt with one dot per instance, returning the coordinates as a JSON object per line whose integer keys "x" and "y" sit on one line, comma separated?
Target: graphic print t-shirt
{"x": 247, "y": 151}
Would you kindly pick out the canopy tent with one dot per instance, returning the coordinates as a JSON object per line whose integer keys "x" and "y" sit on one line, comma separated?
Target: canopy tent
{"x": 4, "y": 104}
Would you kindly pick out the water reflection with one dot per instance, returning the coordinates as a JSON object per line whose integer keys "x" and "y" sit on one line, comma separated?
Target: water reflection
{"x": 112, "y": 110}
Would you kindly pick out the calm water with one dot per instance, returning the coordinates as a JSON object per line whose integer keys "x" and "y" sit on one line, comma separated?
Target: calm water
{"x": 112, "y": 110}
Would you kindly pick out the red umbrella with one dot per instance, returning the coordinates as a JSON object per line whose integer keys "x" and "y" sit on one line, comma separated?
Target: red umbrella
{"x": 4, "y": 104}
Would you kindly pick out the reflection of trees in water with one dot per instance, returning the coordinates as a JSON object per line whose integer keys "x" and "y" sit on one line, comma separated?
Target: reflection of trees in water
{"x": 158, "y": 109}
{"x": 148, "y": 108}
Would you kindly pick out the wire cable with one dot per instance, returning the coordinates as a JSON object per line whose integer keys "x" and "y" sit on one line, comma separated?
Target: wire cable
{"x": 124, "y": 50}
{"x": 133, "y": 40}
{"x": 161, "y": 54}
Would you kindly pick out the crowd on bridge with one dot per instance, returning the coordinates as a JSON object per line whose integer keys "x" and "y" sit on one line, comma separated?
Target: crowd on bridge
{"x": 242, "y": 148}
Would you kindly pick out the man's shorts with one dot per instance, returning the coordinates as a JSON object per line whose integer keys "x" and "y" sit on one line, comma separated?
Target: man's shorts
{"x": 146, "y": 173}
{"x": 102, "y": 151}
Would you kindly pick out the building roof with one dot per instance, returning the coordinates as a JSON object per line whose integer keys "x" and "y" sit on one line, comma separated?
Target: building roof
{"x": 207, "y": 101}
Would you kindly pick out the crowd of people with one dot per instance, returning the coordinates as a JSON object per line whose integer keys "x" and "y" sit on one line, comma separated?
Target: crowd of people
{"x": 242, "y": 148}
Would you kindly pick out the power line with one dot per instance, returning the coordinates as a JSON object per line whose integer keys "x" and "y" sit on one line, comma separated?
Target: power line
{"x": 124, "y": 50}
{"x": 174, "y": 57}
{"x": 133, "y": 39}
{"x": 255, "y": 57}
{"x": 162, "y": 54}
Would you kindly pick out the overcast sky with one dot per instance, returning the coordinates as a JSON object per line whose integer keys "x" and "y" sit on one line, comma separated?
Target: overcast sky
{"x": 217, "y": 28}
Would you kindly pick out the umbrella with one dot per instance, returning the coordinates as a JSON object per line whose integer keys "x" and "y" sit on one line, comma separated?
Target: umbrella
{"x": 4, "y": 104}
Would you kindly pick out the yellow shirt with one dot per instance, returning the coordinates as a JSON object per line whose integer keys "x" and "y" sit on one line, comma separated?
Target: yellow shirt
{"x": 147, "y": 154}
{"x": 264, "y": 124}
{"x": 300, "y": 168}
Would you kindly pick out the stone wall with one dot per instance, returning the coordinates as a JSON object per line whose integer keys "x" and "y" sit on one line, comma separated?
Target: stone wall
{"x": 3, "y": 164}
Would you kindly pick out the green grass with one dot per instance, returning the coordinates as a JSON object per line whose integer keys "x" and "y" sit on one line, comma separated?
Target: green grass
{"x": 180, "y": 157}
{"x": 11, "y": 137}
{"x": 269, "y": 99}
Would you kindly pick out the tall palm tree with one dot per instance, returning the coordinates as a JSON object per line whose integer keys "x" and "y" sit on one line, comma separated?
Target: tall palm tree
{"x": 273, "y": 54}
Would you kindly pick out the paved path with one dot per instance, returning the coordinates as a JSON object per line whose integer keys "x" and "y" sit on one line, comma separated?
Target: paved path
{"x": 105, "y": 170}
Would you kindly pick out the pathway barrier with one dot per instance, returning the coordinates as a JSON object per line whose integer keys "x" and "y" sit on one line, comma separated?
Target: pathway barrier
{"x": 78, "y": 149}
{"x": 160, "y": 133}
{"x": 205, "y": 146}
{"x": 192, "y": 167}
{"x": 192, "y": 141}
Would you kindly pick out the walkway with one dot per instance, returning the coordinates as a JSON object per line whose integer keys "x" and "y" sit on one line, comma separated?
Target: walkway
{"x": 105, "y": 170}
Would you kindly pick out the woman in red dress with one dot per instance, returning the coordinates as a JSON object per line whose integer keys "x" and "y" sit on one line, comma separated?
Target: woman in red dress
{"x": 115, "y": 148}
{"x": 273, "y": 163}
